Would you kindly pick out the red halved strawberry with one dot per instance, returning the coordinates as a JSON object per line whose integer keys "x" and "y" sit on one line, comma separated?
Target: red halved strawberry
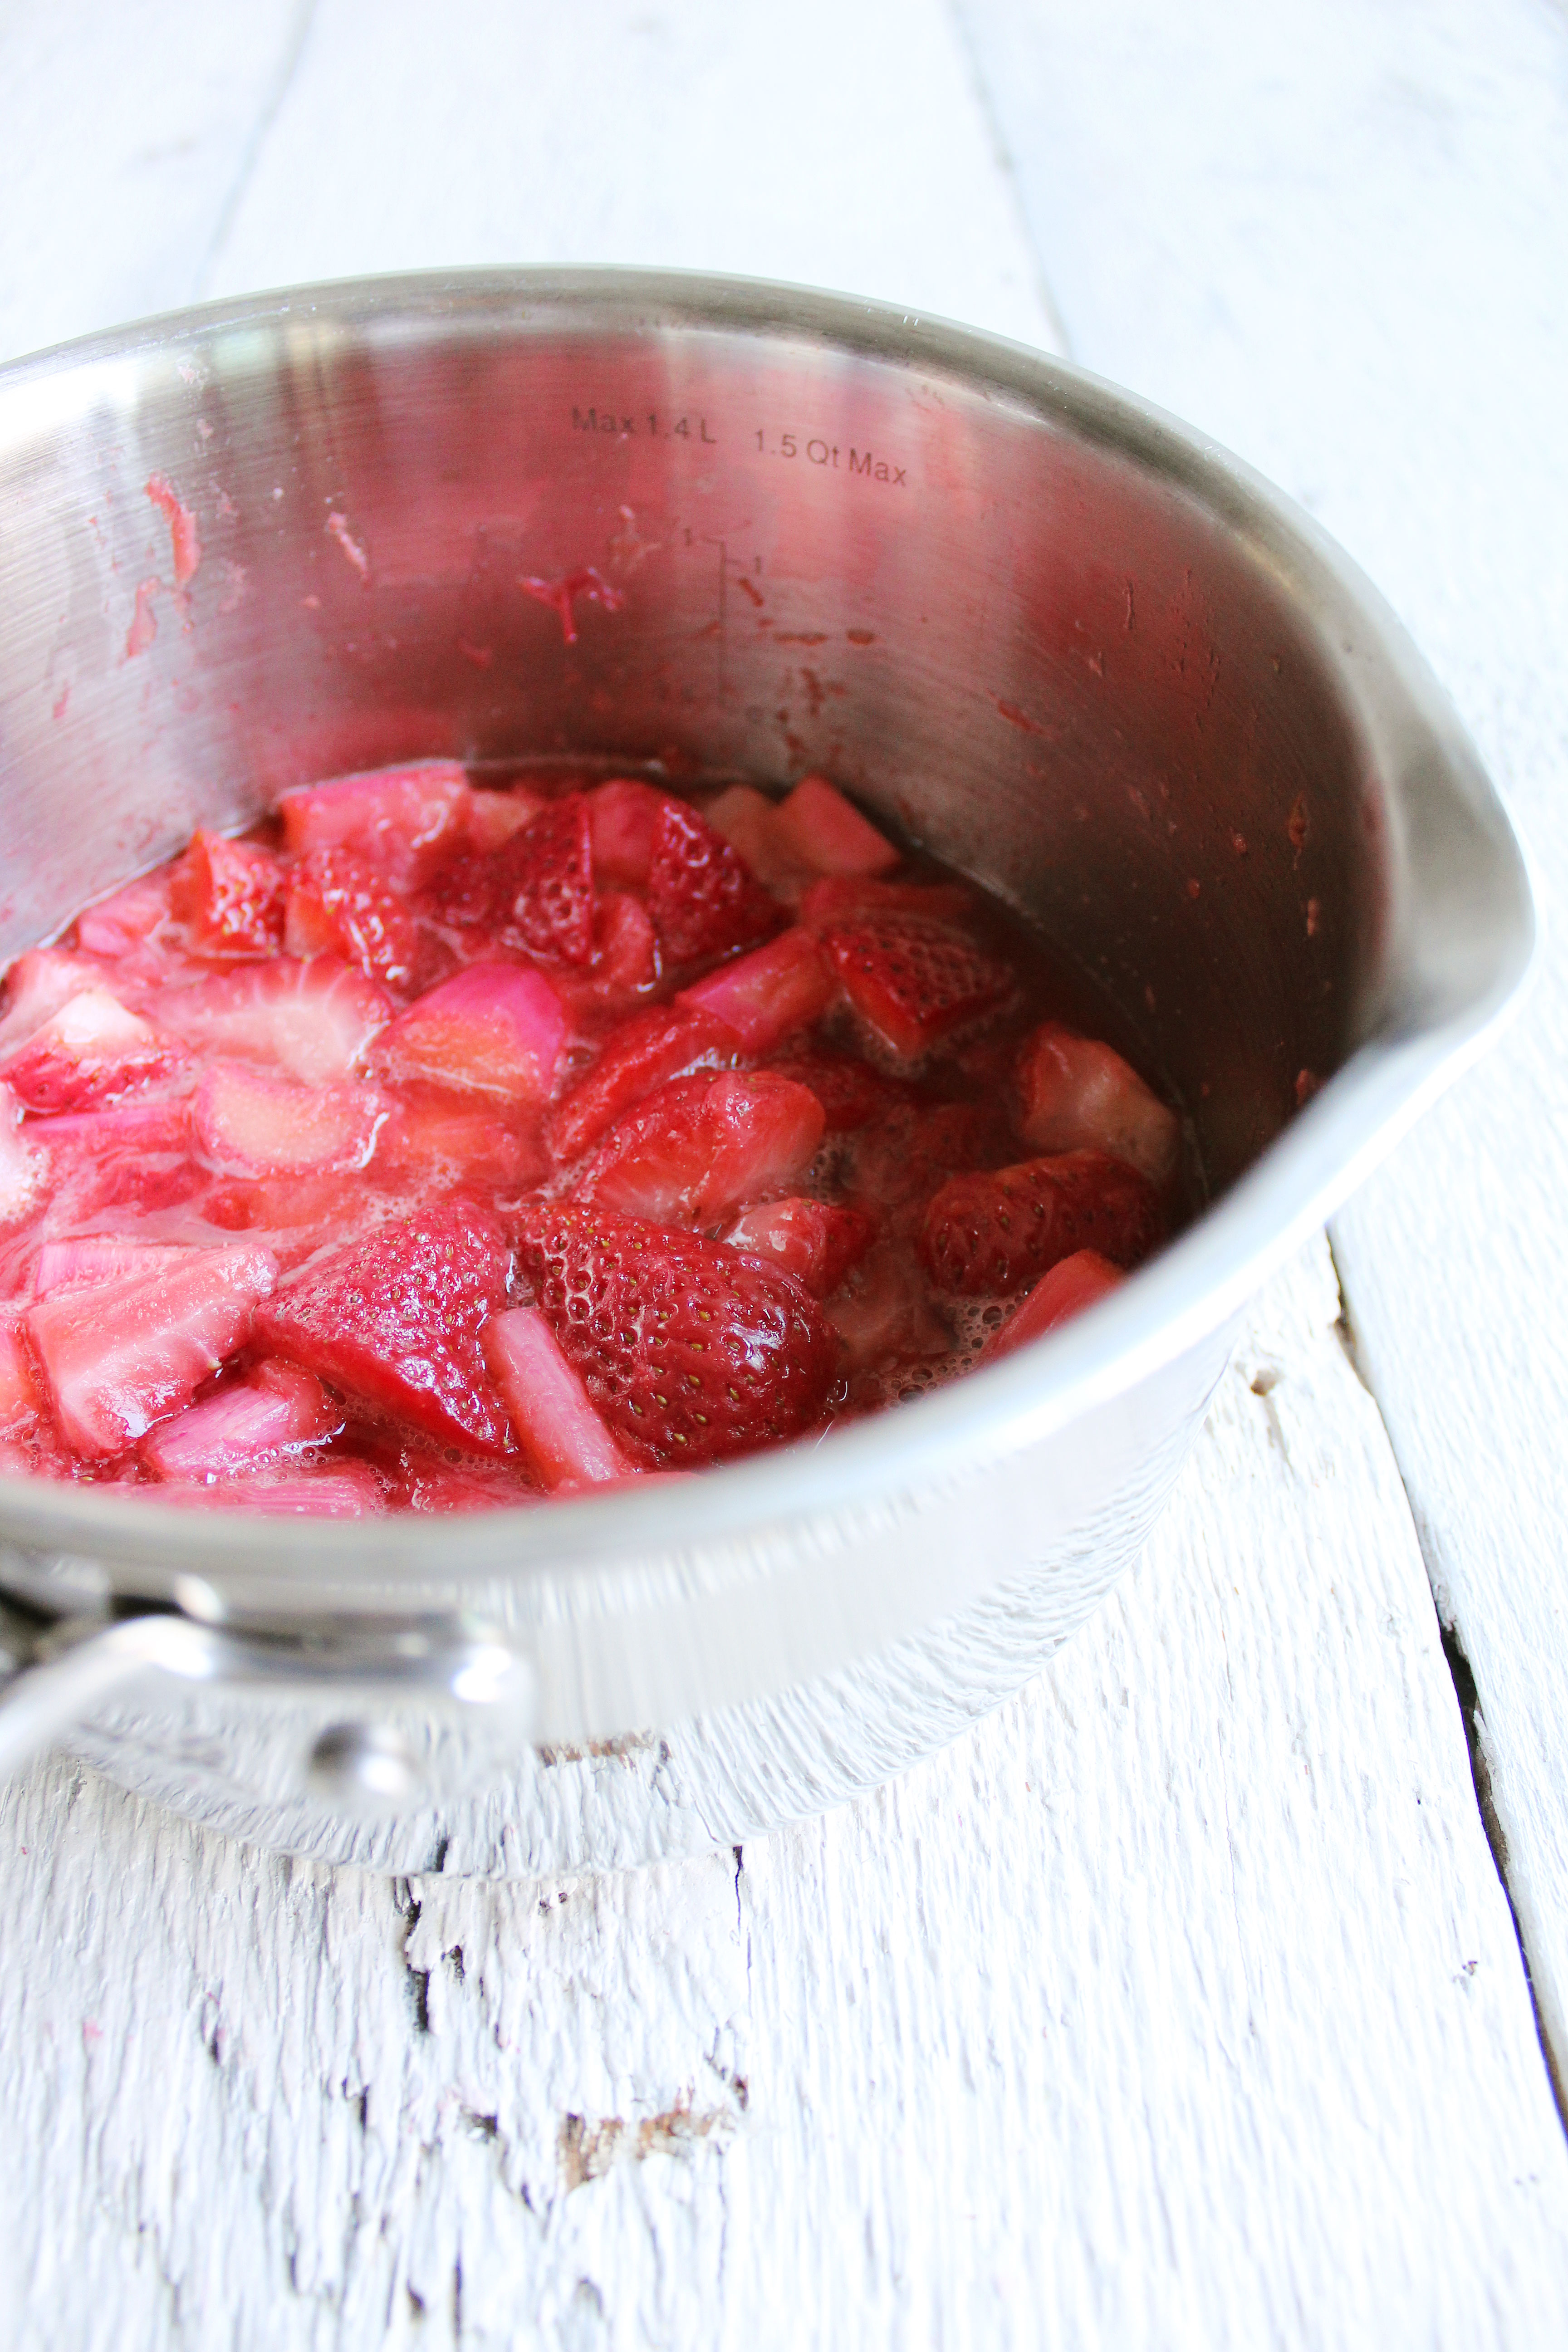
{"x": 394, "y": 1320}
{"x": 545, "y": 883}
{"x": 1078, "y": 1094}
{"x": 251, "y": 1125}
{"x": 118, "y": 1356}
{"x": 1072, "y": 1284}
{"x": 995, "y": 1231}
{"x": 230, "y": 896}
{"x": 312, "y": 1020}
{"x": 560, "y": 1431}
{"x": 813, "y": 1240}
{"x": 703, "y": 898}
{"x": 691, "y": 1351}
{"x": 767, "y": 996}
{"x": 407, "y": 820}
{"x": 338, "y": 905}
{"x": 277, "y": 1409}
{"x": 701, "y": 1146}
{"x": 92, "y": 1051}
{"x": 913, "y": 981}
{"x": 663, "y": 1043}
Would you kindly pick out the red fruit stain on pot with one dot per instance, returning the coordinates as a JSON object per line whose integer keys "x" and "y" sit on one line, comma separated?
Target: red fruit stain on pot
{"x": 337, "y": 526}
{"x": 144, "y": 620}
{"x": 562, "y": 595}
{"x": 182, "y": 530}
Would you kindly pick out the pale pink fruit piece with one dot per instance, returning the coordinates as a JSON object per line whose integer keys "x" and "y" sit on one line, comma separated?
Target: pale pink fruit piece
{"x": 478, "y": 1145}
{"x": 699, "y": 1149}
{"x": 621, "y": 818}
{"x": 1079, "y": 1095}
{"x": 348, "y": 1490}
{"x": 117, "y": 1357}
{"x": 279, "y": 1409}
{"x": 119, "y": 925}
{"x": 19, "y": 1391}
{"x": 37, "y": 985}
{"x": 22, "y": 1168}
{"x": 813, "y": 1240}
{"x": 497, "y": 1028}
{"x": 311, "y": 1021}
{"x": 250, "y": 1125}
{"x": 98, "y": 1257}
{"x": 494, "y": 817}
{"x": 1072, "y": 1284}
{"x": 829, "y": 835}
{"x": 749, "y": 822}
{"x": 884, "y": 1309}
{"x": 846, "y": 898}
{"x": 764, "y": 996}
{"x": 92, "y": 1051}
{"x": 555, "y": 1425}
{"x": 407, "y": 819}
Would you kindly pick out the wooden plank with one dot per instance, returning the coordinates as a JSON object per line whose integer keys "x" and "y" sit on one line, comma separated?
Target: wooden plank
{"x": 1178, "y": 2003}
{"x": 1335, "y": 238}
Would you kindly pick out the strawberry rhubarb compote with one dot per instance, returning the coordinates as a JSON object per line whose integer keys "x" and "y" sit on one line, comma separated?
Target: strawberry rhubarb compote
{"x": 438, "y": 1146}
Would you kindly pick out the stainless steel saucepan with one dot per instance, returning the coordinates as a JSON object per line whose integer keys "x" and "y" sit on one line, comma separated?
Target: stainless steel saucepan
{"x": 1030, "y": 621}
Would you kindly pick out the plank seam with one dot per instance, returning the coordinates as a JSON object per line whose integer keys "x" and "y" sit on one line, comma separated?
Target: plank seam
{"x": 271, "y": 107}
{"x": 1007, "y": 170}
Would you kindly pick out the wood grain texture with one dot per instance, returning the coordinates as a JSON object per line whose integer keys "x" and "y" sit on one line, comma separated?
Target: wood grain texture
{"x": 1336, "y": 237}
{"x": 1179, "y": 2003}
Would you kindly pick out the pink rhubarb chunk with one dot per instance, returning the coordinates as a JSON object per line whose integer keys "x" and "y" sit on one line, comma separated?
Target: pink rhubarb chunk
{"x": 117, "y": 1357}
{"x": 349, "y": 1490}
{"x": 497, "y": 1028}
{"x": 311, "y": 1021}
{"x": 554, "y": 1422}
{"x": 406, "y": 820}
{"x": 277, "y": 1409}
{"x": 828, "y": 833}
{"x": 98, "y": 1257}
{"x": 249, "y": 1124}
{"x": 1079, "y": 1095}
{"x": 766, "y": 994}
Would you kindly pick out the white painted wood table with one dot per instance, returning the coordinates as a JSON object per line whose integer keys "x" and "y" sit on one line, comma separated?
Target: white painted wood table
{"x": 1180, "y": 2003}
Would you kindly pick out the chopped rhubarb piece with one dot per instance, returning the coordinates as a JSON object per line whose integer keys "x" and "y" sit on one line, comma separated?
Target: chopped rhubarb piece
{"x": 912, "y": 981}
{"x": 845, "y": 899}
{"x": 117, "y": 926}
{"x": 560, "y": 1431}
{"x": 702, "y": 896}
{"x": 406, "y": 821}
{"x": 663, "y": 1043}
{"x": 312, "y": 1021}
{"x": 496, "y": 1028}
{"x": 813, "y": 1240}
{"x": 997, "y": 1230}
{"x": 338, "y": 905}
{"x": 693, "y": 1153}
{"x": 394, "y": 1320}
{"x": 118, "y": 1356}
{"x": 277, "y": 1409}
{"x": 92, "y": 1051}
{"x": 1070, "y": 1286}
{"x": 764, "y": 996}
{"x": 691, "y": 1351}
{"x": 622, "y": 815}
{"x": 468, "y": 1144}
{"x": 19, "y": 1400}
{"x": 545, "y": 883}
{"x": 37, "y": 986}
{"x": 347, "y": 1490}
{"x": 1078, "y": 1094}
{"x": 429, "y": 1485}
{"x": 749, "y": 822}
{"x": 98, "y": 1257}
{"x": 22, "y": 1168}
{"x": 230, "y": 896}
{"x": 495, "y": 816}
{"x": 251, "y": 1125}
{"x": 829, "y": 835}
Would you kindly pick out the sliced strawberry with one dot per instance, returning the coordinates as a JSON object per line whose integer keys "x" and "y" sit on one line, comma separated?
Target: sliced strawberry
{"x": 394, "y": 1320}
{"x": 19, "y": 1400}
{"x": 36, "y": 986}
{"x": 749, "y": 822}
{"x": 465, "y": 1144}
{"x": 622, "y": 814}
{"x": 338, "y": 905}
{"x": 1078, "y": 1094}
{"x": 561, "y": 1432}
{"x": 912, "y": 981}
{"x": 495, "y": 1028}
{"x": 767, "y": 996}
{"x": 985, "y": 1235}
{"x": 495, "y": 816}
{"x": 98, "y": 1257}
{"x": 851, "y": 1093}
{"x": 230, "y": 896}
{"x": 118, "y": 1356}
{"x": 312, "y": 1021}
{"x": 693, "y": 1153}
{"x": 406, "y": 821}
{"x": 829, "y": 835}
{"x": 691, "y": 1351}
{"x": 703, "y": 898}
{"x": 128, "y": 920}
{"x": 1071, "y": 1284}
{"x": 813, "y": 1240}
{"x": 277, "y": 1409}
{"x": 250, "y": 1125}
{"x": 545, "y": 883}
{"x": 847, "y": 898}
{"x": 92, "y": 1051}
{"x": 663, "y": 1043}
{"x": 343, "y": 1490}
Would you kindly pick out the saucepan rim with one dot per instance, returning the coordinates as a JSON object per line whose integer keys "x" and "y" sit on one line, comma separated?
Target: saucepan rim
{"x": 1192, "y": 1288}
